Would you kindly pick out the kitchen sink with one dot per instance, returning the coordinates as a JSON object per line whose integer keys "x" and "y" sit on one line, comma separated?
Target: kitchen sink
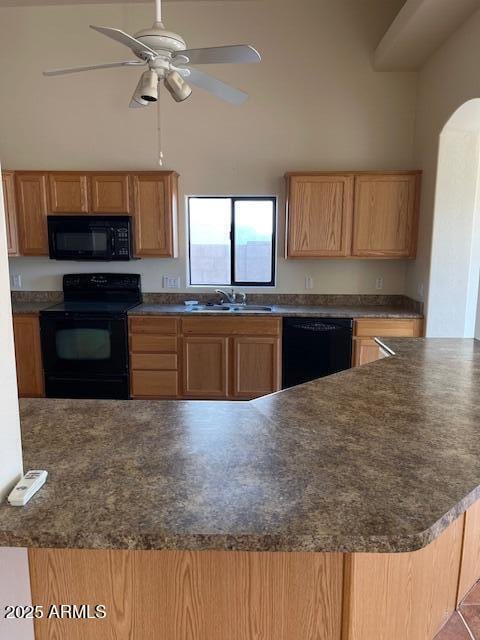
{"x": 232, "y": 308}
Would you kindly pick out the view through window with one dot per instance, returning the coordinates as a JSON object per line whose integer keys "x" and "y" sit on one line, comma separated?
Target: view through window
{"x": 232, "y": 240}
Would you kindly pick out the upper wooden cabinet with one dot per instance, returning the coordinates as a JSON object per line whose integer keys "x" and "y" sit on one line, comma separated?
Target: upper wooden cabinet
{"x": 150, "y": 197}
{"x": 155, "y": 212}
{"x": 110, "y": 193}
{"x": 352, "y": 214}
{"x": 319, "y": 215}
{"x": 385, "y": 220}
{"x": 68, "y": 192}
{"x": 8, "y": 181}
{"x": 32, "y": 209}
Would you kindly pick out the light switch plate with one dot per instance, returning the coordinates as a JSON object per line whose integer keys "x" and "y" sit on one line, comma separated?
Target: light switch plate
{"x": 171, "y": 282}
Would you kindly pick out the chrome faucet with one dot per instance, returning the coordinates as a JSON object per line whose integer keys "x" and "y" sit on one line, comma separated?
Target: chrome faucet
{"x": 231, "y": 298}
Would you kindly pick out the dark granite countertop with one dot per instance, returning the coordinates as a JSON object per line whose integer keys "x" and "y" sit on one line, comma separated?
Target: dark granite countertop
{"x": 324, "y": 311}
{"x": 380, "y": 458}
{"x": 30, "y": 307}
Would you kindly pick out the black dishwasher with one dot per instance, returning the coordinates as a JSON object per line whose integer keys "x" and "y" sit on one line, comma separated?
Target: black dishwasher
{"x": 315, "y": 347}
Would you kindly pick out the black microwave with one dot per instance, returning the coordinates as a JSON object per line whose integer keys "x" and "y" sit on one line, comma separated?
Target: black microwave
{"x": 90, "y": 237}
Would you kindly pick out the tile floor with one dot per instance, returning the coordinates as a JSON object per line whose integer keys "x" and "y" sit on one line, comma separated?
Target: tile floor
{"x": 465, "y": 623}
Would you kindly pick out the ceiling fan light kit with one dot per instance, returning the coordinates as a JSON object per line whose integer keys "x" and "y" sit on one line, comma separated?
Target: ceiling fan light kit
{"x": 166, "y": 55}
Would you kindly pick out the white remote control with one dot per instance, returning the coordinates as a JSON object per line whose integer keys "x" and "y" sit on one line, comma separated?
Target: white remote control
{"x": 26, "y": 487}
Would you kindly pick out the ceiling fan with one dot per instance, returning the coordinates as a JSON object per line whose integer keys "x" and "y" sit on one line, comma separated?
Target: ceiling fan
{"x": 166, "y": 55}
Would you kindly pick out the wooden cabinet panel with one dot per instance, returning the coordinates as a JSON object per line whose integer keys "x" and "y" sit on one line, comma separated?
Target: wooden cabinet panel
{"x": 400, "y": 596}
{"x": 190, "y": 595}
{"x": 470, "y": 565}
{"x": 319, "y": 216}
{"x": 68, "y": 192}
{"x": 256, "y": 366}
{"x": 8, "y": 181}
{"x": 380, "y": 327}
{"x": 365, "y": 350}
{"x": 214, "y": 325}
{"x": 152, "y": 361}
{"x": 205, "y": 366}
{"x": 109, "y": 193}
{"x": 154, "y": 384}
{"x": 28, "y": 356}
{"x": 155, "y": 212}
{"x": 385, "y": 216}
{"x": 154, "y": 324}
{"x": 32, "y": 208}
{"x": 150, "y": 343}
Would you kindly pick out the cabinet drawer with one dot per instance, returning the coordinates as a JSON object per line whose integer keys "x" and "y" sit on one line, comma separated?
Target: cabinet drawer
{"x": 220, "y": 326}
{"x": 377, "y": 327}
{"x": 154, "y": 324}
{"x": 154, "y": 384}
{"x": 146, "y": 361}
{"x": 145, "y": 343}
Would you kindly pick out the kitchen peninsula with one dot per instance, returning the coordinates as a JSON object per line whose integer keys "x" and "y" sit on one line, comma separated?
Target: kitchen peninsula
{"x": 338, "y": 509}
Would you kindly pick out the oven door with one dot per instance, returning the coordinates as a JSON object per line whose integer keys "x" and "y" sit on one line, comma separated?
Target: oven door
{"x": 80, "y": 238}
{"x": 75, "y": 345}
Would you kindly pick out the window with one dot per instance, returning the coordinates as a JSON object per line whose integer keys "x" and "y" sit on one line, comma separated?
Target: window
{"x": 232, "y": 241}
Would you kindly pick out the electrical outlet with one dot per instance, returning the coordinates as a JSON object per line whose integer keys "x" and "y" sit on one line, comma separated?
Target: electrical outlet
{"x": 16, "y": 280}
{"x": 171, "y": 282}
{"x": 379, "y": 283}
{"x": 308, "y": 282}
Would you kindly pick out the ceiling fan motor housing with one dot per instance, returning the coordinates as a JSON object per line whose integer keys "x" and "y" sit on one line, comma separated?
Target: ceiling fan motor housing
{"x": 159, "y": 39}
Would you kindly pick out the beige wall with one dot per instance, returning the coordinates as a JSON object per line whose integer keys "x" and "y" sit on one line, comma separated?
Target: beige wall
{"x": 447, "y": 81}
{"x": 316, "y": 103}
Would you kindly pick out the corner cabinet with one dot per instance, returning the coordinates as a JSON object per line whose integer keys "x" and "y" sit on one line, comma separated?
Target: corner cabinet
{"x": 365, "y": 330}
{"x": 155, "y": 213}
{"x": 352, "y": 214}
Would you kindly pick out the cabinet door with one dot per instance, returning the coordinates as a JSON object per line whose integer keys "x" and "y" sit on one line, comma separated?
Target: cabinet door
{"x": 205, "y": 367}
{"x": 385, "y": 216}
{"x": 256, "y": 366}
{"x": 68, "y": 193}
{"x": 110, "y": 193}
{"x": 365, "y": 350}
{"x": 155, "y": 211}
{"x": 28, "y": 355}
{"x": 31, "y": 189}
{"x": 319, "y": 216}
{"x": 8, "y": 181}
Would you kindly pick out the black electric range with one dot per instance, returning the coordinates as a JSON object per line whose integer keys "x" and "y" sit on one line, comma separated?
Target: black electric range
{"x": 85, "y": 337}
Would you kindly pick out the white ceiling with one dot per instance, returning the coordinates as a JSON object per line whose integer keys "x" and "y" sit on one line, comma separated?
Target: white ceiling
{"x": 419, "y": 29}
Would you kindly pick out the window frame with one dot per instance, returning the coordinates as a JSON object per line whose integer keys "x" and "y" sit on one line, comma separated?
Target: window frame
{"x": 233, "y": 200}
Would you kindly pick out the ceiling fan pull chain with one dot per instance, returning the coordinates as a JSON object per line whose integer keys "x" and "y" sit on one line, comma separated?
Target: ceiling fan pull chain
{"x": 159, "y": 132}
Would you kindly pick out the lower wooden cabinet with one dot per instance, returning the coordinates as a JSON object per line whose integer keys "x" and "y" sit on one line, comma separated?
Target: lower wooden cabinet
{"x": 366, "y": 349}
{"x": 205, "y": 366}
{"x": 207, "y": 358}
{"x": 154, "y": 357}
{"x": 28, "y": 355}
{"x": 257, "y": 366}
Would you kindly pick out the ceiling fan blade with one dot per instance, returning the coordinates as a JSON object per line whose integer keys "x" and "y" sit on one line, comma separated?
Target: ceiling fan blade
{"x": 217, "y": 87}
{"x": 120, "y": 36}
{"x": 236, "y": 53}
{"x": 110, "y": 65}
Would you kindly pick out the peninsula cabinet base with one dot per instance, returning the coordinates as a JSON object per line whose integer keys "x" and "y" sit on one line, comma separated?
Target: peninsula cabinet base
{"x": 229, "y": 595}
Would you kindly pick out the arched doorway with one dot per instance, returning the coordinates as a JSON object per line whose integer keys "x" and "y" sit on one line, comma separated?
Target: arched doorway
{"x": 453, "y": 296}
